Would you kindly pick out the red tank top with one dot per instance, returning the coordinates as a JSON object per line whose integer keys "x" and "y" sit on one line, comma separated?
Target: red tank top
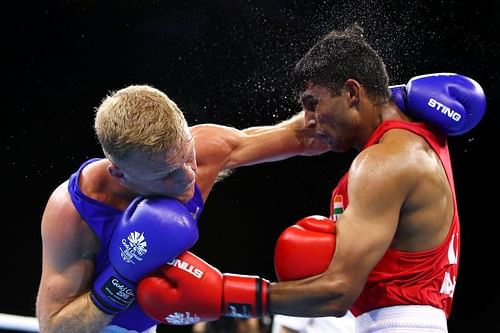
{"x": 418, "y": 278}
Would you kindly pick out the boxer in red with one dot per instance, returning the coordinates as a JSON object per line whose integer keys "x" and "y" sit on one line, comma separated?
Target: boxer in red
{"x": 392, "y": 256}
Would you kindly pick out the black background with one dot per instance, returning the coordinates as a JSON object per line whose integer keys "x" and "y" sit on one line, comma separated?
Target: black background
{"x": 228, "y": 62}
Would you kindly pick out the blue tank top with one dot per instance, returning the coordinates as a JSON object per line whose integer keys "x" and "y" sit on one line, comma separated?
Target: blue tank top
{"x": 102, "y": 219}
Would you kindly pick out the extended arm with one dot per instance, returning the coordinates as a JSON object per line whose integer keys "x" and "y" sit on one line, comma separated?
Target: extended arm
{"x": 220, "y": 148}
{"x": 302, "y": 138}
{"x": 257, "y": 144}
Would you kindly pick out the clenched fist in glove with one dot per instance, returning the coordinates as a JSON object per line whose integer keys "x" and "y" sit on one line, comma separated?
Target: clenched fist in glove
{"x": 188, "y": 290}
{"x": 305, "y": 248}
{"x": 452, "y": 102}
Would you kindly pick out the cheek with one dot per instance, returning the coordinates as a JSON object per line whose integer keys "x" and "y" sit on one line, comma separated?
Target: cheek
{"x": 327, "y": 122}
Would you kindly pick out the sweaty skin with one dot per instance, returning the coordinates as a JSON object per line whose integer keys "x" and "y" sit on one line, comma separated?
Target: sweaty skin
{"x": 69, "y": 245}
{"x": 399, "y": 196}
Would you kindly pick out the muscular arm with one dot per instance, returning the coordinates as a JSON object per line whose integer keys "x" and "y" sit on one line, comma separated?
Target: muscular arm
{"x": 303, "y": 134}
{"x": 63, "y": 302}
{"x": 221, "y": 148}
{"x": 379, "y": 182}
{"x": 276, "y": 142}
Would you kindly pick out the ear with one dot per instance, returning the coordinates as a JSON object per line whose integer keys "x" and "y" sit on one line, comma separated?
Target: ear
{"x": 116, "y": 172}
{"x": 353, "y": 88}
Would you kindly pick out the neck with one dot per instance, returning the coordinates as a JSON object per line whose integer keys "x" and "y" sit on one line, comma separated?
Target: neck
{"x": 373, "y": 116}
{"x": 390, "y": 111}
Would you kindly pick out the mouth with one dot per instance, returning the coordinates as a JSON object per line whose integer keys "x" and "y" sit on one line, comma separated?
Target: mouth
{"x": 323, "y": 137}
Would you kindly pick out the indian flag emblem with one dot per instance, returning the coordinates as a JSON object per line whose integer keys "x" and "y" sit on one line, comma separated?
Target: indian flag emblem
{"x": 338, "y": 206}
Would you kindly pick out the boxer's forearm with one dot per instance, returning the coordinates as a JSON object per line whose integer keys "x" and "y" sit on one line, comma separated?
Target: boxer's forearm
{"x": 79, "y": 316}
{"x": 291, "y": 136}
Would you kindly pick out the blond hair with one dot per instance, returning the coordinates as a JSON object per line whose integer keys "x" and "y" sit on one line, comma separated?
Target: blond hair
{"x": 139, "y": 118}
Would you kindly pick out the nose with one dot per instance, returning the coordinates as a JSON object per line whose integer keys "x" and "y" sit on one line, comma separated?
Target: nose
{"x": 310, "y": 119}
{"x": 189, "y": 173}
{"x": 191, "y": 169}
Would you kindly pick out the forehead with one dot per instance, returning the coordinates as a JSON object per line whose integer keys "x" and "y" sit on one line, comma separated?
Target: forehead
{"x": 315, "y": 89}
{"x": 146, "y": 166}
{"x": 314, "y": 94}
{"x": 176, "y": 157}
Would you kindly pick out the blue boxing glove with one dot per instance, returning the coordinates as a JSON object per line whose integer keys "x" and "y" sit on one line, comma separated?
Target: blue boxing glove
{"x": 151, "y": 232}
{"x": 452, "y": 102}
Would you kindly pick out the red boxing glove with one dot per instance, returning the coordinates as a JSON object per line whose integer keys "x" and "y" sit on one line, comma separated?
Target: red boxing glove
{"x": 305, "y": 249}
{"x": 188, "y": 290}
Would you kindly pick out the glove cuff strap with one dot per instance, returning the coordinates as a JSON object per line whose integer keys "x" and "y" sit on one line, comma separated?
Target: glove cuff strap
{"x": 262, "y": 296}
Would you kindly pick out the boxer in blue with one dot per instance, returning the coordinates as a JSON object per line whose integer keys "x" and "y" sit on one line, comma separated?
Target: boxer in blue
{"x": 122, "y": 216}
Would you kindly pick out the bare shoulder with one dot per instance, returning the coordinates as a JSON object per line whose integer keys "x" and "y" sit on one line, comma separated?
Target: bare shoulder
{"x": 214, "y": 133}
{"x": 214, "y": 143}
{"x": 64, "y": 231}
{"x": 400, "y": 158}
{"x": 216, "y": 130}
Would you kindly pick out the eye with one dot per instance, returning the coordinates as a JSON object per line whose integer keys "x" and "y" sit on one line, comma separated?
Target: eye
{"x": 309, "y": 102}
{"x": 168, "y": 175}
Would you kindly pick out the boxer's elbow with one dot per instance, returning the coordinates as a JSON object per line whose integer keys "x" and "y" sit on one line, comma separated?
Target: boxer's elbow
{"x": 339, "y": 296}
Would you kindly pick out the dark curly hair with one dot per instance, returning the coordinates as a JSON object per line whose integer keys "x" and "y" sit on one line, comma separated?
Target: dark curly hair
{"x": 339, "y": 56}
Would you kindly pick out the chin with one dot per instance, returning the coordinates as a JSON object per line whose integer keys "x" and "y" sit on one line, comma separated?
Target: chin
{"x": 189, "y": 191}
{"x": 339, "y": 147}
{"x": 336, "y": 148}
